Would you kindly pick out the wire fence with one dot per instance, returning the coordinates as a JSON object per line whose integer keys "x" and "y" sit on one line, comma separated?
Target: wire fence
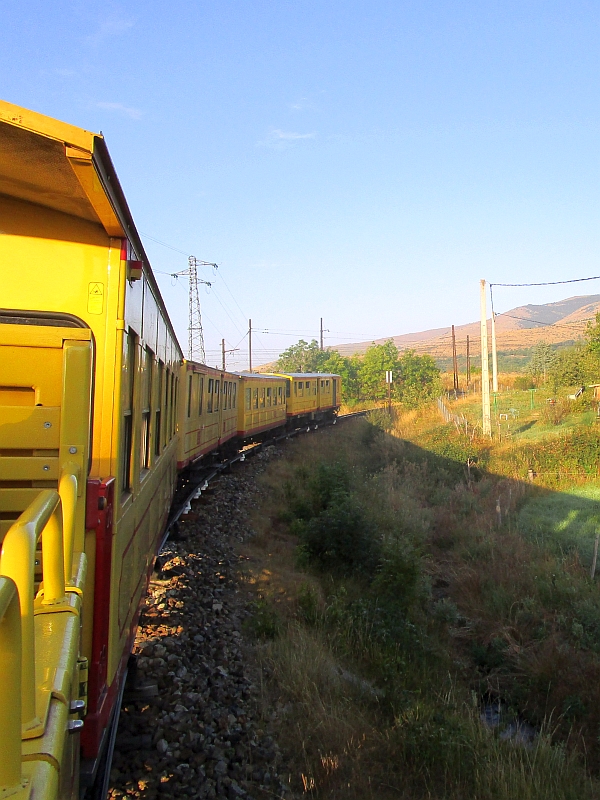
{"x": 460, "y": 422}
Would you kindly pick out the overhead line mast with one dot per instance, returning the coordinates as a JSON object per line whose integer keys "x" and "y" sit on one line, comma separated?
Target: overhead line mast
{"x": 196, "y": 351}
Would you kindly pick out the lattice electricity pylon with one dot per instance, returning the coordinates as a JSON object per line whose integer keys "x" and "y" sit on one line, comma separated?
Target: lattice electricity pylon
{"x": 196, "y": 350}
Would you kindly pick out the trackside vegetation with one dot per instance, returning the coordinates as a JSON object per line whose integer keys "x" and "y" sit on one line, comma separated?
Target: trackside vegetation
{"x": 416, "y": 377}
{"x": 427, "y": 629}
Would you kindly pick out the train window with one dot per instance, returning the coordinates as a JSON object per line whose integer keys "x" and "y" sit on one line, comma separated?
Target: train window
{"x": 216, "y": 395}
{"x": 146, "y": 376}
{"x": 174, "y": 407}
{"x": 209, "y": 399}
{"x": 234, "y": 394}
{"x": 268, "y": 397}
{"x": 171, "y": 404}
{"x": 315, "y": 387}
{"x": 247, "y": 399}
{"x": 189, "y": 406}
{"x": 295, "y": 388}
{"x": 261, "y": 396}
{"x": 300, "y": 389}
{"x": 200, "y": 393}
{"x": 228, "y": 394}
{"x": 127, "y": 384}
{"x": 254, "y": 398}
{"x": 159, "y": 401}
{"x": 274, "y": 395}
{"x": 327, "y": 388}
{"x": 279, "y": 393}
{"x": 167, "y": 406}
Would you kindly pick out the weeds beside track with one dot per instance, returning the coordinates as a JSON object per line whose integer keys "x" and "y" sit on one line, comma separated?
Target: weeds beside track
{"x": 394, "y": 604}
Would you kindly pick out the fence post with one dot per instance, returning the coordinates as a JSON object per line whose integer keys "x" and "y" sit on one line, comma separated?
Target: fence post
{"x": 595, "y": 558}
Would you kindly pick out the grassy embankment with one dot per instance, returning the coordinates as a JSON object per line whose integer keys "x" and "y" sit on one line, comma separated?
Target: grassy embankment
{"x": 394, "y": 603}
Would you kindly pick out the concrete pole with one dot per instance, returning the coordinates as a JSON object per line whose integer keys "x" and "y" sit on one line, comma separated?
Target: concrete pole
{"x": 485, "y": 369}
{"x": 321, "y": 333}
{"x": 223, "y": 354}
{"x": 494, "y": 355}
{"x": 249, "y": 345}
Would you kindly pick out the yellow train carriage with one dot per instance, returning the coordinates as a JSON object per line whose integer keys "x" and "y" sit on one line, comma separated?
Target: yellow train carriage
{"x": 263, "y": 406}
{"x": 79, "y": 308}
{"x": 208, "y": 410}
{"x": 312, "y": 396}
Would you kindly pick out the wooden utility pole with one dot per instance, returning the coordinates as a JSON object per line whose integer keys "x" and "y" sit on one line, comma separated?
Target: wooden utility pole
{"x": 454, "y": 362}
{"x": 249, "y": 345}
{"x": 486, "y": 417}
{"x": 321, "y": 333}
{"x": 494, "y": 355}
{"x": 468, "y": 362}
{"x": 223, "y": 354}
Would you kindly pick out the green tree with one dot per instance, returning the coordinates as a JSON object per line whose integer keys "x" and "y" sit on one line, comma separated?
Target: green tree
{"x": 419, "y": 379}
{"x": 348, "y": 369}
{"x": 302, "y": 357}
{"x": 575, "y": 366}
{"x": 542, "y": 360}
{"x": 376, "y": 361}
{"x": 592, "y": 334}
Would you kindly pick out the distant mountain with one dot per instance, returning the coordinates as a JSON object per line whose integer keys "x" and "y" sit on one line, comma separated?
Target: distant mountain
{"x": 520, "y": 327}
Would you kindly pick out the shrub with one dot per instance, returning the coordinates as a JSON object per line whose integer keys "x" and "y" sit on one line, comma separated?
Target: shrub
{"x": 341, "y": 538}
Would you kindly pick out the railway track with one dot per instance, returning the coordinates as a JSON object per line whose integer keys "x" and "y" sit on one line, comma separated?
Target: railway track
{"x": 198, "y": 479}
{"x": 189, "y": 663}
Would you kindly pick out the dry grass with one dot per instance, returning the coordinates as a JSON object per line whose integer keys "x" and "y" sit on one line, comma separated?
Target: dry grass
{"x": 362, "y": 716}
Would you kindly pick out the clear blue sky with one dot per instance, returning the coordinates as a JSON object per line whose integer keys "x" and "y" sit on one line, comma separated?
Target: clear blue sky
{"x": 367, "y": 162}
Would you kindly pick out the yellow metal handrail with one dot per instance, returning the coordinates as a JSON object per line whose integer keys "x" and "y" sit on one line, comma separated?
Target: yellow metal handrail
{"x": 10, "y": 686}
{"x": 42, "y": 516}
{"x": 67, "y": 489}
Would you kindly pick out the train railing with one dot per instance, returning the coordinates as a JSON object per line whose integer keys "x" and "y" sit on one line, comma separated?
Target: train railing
{"x": 10, "y": 685}
{"x": 51, "y": 518}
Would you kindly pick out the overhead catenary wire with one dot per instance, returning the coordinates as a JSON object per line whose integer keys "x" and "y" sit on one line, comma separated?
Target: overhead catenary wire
{"x": 548, "y": 283}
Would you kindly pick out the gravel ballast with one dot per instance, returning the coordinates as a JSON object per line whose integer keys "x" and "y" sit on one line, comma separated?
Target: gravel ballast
{"x": 191, "y": 725}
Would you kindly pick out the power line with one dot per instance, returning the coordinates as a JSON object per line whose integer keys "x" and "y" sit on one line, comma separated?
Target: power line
{"x": 547, "y": 324}
{"x": 164, "y": 244}
{"x": 548, "y": 283}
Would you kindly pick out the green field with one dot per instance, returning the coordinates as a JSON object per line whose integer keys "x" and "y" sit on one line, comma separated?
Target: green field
{"x": 566, "y": 521}
{"x": 514, "y": 418}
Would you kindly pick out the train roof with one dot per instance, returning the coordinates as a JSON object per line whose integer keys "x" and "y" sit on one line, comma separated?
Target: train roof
{"x": 306, "y": 374}
{"x": 259, "y": 375}
{"x": 68, "y": 169}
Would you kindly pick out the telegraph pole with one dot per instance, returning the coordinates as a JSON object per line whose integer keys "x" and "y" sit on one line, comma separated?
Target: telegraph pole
{"x": 321, "y": 333}
{"x": 454, "y": 362}
{"x": 468, "y": 362}
{"x": 224, "y": 351}
{"x": 494, "y": 355}
{"x": 249, "y": 345}
{"x": 485, "y": 368}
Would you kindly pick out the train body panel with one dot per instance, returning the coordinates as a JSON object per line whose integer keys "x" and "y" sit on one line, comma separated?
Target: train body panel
{"x": 262, "y": 405}
{"x": 69, "y": 265}
{"x": 98, "y": 412}
{"x": 207, "y": 410}
{"x": 313, "y": 395}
